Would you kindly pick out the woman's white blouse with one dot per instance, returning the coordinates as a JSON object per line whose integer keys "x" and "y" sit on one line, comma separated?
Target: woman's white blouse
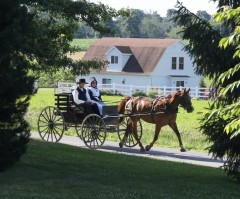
{"x": 95, "y": 92}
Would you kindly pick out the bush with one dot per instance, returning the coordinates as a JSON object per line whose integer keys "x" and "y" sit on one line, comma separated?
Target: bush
{"x": 137, "y": 93}
{"x": 153, "y": 94}
{"x": 223, "y": 145}
{"x": 12, "y": 146}
{"x": 110, "y": 93}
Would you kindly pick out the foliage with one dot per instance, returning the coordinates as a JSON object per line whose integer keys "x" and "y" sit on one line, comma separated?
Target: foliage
{"x": 82, "y": 44}
{"x": 139, "y": 24}
{"x": 202, "y": 83}
{"x": 35, "y": 37}
{"x": 230, "y": 112}
{"x": 152, "y": 26}
{"x": 50, "y": 79}
{"x": 204, "y": 15}
{"x": 153, "y": 94}
{"x": 221, "y": 122}
{"x": 231, "y": 16}
{"x": 12, "y": 146}
{"x": 223, "y": 145}
{"x": 15, "y": 84}
{"x": 199, "y": 51}
{"x": 137, "y": 93}
{"x": 130, "y": 26}
{"x": 110, "y": 93}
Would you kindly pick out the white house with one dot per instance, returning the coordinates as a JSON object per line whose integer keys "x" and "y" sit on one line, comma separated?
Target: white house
{"x": 137, "y": 61}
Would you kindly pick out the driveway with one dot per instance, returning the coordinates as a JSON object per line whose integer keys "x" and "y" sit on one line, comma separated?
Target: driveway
{"x": 169, "y": 154}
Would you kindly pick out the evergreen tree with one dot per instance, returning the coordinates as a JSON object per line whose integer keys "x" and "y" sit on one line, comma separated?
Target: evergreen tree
{"x": 15, "y": 83}
{"x": 35, "y": 36}
{"x": 216, "y": 54}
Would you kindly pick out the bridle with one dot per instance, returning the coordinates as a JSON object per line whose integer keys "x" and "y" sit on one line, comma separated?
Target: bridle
{"x": 186, "y": 104}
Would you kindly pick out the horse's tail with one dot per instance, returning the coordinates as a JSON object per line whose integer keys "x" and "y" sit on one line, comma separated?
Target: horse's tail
{"x": 121, "y": 107}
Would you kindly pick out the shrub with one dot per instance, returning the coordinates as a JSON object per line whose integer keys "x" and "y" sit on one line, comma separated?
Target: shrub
{"x": 12, "y": 146}
{"x": 153, "y": 94}
{"x": 223, "y": 145}
{"x": 110, "y": 93}
{"x": 138, "y": 93}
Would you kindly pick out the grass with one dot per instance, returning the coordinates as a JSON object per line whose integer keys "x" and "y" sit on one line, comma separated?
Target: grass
{"x": 53, "y": 170}
{"x": 188, "y": 123}
{"x": 82, "y": 44}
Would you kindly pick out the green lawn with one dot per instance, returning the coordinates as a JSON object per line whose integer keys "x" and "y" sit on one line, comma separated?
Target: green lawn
{"x": 188, "y": 123}
{"x": 82, "y": 44}
{"x": 52, "y": 170}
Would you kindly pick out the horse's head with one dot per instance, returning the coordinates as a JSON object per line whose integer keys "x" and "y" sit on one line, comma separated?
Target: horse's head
{"x": 185, "y": 100}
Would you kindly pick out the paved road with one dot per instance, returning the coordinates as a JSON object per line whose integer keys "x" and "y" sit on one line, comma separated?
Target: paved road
{"x": 197, "y": 158}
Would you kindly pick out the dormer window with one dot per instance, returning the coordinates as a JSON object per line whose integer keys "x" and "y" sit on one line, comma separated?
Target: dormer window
{"x": 114, "y": 59}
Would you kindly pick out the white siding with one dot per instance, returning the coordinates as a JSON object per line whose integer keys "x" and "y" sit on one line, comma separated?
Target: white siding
{"x": 159, "y": 77}
{"x": 122, "y": 60}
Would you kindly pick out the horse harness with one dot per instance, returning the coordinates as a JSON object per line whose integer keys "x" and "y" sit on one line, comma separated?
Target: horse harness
{"x": 166, "y": 109}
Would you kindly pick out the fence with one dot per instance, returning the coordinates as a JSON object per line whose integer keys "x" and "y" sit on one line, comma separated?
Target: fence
{"x": 196, "y": 92}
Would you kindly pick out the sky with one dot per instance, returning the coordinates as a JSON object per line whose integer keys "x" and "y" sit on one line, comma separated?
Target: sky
{"x": 161, "y": 6}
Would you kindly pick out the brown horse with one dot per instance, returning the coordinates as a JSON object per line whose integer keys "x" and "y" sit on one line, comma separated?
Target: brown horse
{"x": 162, "y": 111}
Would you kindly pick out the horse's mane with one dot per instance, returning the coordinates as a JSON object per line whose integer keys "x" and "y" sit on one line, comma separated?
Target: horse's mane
{"x": 170, "y": 97}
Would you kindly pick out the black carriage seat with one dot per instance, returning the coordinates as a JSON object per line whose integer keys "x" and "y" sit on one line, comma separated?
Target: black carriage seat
{"x": 65, "y": 103}
{"x": 78, "y": 109}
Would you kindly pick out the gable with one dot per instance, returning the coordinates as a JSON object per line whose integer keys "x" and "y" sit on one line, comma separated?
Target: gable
{"x": 146, "y": 53}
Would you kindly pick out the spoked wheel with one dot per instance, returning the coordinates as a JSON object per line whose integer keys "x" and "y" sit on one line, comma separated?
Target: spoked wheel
{"x": 51, "y": 124}
{"x": 78, "y": 129}
{"x": 93, "y": 131}
{"x": 129, "y": 139}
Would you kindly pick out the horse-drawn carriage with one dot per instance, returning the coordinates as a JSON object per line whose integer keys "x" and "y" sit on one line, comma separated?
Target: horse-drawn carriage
{"x": 91, "y": 128}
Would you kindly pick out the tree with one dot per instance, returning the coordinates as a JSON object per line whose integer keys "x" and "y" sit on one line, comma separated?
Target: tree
{"x": 170, "y": 13}
{"x": 35, "y": 36}
{"x": 175, "y": 33}
{"x": 151, "y": 26}
{"x": 228, "y": 114}
{"x": 130, "y": 26}
{"x": 203, "y": 14}
{"x": 15, "y": 84}
{"x": 201, "y": 46}
{"x": 221, "y": 123}
{"x": 202, "y": 83}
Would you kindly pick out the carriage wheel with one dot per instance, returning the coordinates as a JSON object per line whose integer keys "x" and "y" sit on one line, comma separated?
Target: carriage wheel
{"x": 130, "y": 140}
{"x": 78, "y": 129}
{"x": 51, "y": 124}
{"x": 93, "y": 131}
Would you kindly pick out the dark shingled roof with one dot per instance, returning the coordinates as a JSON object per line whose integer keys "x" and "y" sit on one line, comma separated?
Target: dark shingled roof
{"x": 146, "y": 53}
{"x": 124, "y": 49}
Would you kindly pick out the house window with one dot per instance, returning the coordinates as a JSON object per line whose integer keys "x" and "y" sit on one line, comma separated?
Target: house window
{"x": 181, "y": 63}
{"x": 106, "y": 81}
{"x": 114, "y": 59}
{"x": 179, "y": 83}
{"x": 174, "y": 63}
